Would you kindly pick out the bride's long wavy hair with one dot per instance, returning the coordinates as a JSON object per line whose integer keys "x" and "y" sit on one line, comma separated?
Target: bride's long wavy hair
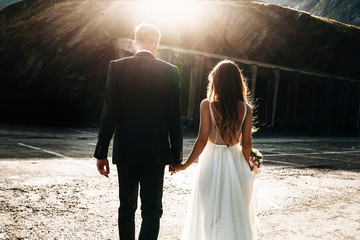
{"x": 226, "y": 87}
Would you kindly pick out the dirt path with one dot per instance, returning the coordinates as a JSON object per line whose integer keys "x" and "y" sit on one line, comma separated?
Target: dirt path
{"x": 67, "y": 199}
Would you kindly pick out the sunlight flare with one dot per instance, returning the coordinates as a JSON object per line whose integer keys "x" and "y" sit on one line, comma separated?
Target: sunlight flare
{"x": 170, "y": 11}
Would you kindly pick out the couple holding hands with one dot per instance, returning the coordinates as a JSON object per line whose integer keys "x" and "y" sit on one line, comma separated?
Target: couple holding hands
{"x": 142, "y": 110}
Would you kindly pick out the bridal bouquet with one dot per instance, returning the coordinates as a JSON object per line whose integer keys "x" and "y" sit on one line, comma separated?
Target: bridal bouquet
{"x": 258, "y": 157}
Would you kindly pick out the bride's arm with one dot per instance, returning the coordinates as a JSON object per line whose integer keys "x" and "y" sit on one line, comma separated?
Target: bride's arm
{"x": 246, "y": 134}
{"x": 202, "y": 137}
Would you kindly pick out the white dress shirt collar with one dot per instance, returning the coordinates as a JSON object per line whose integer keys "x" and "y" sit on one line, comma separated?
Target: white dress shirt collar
{"x": 144, "y": 50}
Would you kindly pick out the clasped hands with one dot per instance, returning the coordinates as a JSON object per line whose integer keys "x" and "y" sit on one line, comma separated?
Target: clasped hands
{"x": 174, "y": 168}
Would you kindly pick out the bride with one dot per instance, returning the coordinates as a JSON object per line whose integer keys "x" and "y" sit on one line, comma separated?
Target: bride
{"x": 222, "y": 204}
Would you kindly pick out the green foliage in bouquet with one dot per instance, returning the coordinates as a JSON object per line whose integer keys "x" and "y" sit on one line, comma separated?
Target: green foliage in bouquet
{"x": 257, "y": 155}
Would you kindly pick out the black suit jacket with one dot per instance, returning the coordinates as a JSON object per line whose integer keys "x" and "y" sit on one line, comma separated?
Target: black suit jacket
{"x": 142, "y": 107}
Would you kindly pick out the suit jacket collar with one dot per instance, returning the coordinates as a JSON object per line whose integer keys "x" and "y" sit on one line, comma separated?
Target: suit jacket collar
{"x": 144, "y": 53}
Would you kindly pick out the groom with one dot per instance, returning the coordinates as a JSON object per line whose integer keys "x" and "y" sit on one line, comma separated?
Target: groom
{"x": 142, "y": 108}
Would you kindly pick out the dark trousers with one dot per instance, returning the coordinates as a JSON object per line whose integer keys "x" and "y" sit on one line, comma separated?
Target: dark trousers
{"x": 150, "y": 178}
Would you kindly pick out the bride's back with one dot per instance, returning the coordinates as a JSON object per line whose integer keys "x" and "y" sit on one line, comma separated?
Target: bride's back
{"x": 214, "y": 135}
{"x": 227, "y": 94}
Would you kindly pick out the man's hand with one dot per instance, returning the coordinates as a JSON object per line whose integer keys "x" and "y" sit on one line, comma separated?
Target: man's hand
{"x": 176, "y": 168}
{"x": 171, "y": 170}
{"x": 103, "y": 167}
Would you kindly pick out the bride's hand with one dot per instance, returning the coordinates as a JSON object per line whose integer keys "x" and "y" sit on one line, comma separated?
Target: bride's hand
{"x": 256, "y": 168}
{"x": 179, "y": 167}
{"x": 254, "y": 165}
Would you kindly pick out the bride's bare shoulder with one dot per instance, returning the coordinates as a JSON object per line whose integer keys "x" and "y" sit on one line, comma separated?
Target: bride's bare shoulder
{"x": 204, "y": 105}
{"x": 204, "y": 101}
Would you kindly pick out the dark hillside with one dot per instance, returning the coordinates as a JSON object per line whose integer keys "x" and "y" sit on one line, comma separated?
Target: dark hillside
{"x": 54, "y": 53}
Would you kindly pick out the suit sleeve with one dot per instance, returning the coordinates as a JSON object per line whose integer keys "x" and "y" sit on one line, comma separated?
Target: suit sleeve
{"x": 108, "y": 118}
{"x": 175, "y": 118}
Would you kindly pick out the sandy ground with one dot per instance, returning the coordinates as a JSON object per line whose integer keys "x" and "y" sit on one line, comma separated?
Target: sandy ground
{"x": 50, "y": 189}
{"x": 67, "y": 199}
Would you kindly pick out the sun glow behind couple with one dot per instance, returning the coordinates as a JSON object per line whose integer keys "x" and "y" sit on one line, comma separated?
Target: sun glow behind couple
{"x": 168, "y": 13}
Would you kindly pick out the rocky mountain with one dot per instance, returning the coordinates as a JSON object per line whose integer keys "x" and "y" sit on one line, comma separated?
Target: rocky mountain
{"x": 346, "y": 11}
{"x": 4, "y": 3}
{"x": 55, "y": 53}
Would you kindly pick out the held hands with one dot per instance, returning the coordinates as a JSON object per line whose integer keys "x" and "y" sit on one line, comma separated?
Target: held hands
{"x": 174, "y": 168}
{"x": 103, "y": 167}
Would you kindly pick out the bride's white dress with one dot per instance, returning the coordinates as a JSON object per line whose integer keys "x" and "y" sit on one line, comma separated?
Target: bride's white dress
{"x": 222, "y": 203}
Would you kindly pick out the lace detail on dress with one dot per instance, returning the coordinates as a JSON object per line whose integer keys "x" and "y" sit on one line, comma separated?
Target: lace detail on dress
{"x": 214, "y": 135}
